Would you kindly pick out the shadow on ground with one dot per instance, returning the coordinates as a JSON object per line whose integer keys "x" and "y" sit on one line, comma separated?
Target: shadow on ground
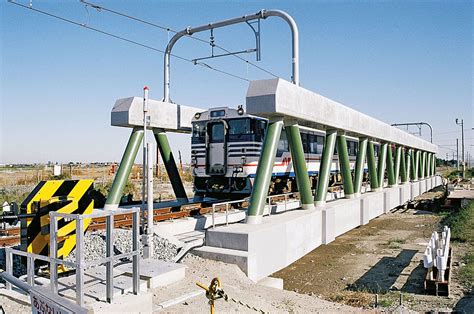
{"x": 466, "y": 304}
{"x": 381, "y": 277}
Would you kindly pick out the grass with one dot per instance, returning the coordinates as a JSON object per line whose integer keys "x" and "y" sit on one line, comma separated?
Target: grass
{"x": 461, "y": 223}
{"x": 395, "y": 243}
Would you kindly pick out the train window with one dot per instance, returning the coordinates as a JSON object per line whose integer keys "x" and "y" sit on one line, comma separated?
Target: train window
{"x": 282, "y": 144}
{"x": 377, "y": 149}
{"x": 313, "y": 144}
{"x": 320, "y": 144}
{"x": 259, "y": 126}
{"x": 304, "y": 139}
{"x": 217, "y": 113}
{"x": 199, "y": 132}
{"x": 352, "y": 148}
{"x": 217, "y": 132}
{"x": 239, "y": 126}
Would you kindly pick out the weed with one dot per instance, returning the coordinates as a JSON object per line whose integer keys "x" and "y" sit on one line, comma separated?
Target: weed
{"x": 395, "y": 243}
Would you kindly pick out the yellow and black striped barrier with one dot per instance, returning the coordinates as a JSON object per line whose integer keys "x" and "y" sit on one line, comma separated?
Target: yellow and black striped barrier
{"x": 64, "y": 196}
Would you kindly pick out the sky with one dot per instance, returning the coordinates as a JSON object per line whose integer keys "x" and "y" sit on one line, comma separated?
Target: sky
{"x": 398, "y": 61}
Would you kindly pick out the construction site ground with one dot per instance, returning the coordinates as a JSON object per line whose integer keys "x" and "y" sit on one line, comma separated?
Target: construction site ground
{"x": 384, "y": 257}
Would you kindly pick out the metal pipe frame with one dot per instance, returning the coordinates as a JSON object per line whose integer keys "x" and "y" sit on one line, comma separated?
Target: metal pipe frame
{"x": 416, "y": 161}
{"x": 404, "y": 166}
{"x": 371, "y": 163}
{"x": 398, "y": 157}
{"x": 345, "y": 166}
{"x": 264, "y": 172}
{"x": 359, "y": 166}
{"x": 299, "y": 164}
{"x": 434, "y": 164}
{"x": 392, "y": 179}
{"x": 418, "y": 124}
{"x": 263, "y": 14}
{"x": 170, "y": 165}
{"x": 381, "y": 165}
{"x": 428, "y": 165}
{"x": 325, "y": 168}
{"x": 123, "y": 172}
{"x": 422, "y": 164}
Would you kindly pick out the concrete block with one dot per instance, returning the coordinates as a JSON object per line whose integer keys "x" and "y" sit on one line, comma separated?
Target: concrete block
{"x": 364, "y": 210}
{"x": 376, "y": 202}
{"x": 328, "y": 224}
{"x": 415, "y": 189}
{"x": 422, "y": 183}
{"x": 156, "y": 273}
{"x": 129, "y": 303}
{"x": 346, "y": 215}
{"x": 391, "y": 199}
{"x": 271, "y": 282}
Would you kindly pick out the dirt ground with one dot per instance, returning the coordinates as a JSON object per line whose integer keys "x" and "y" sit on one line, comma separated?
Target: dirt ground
{"x": 384, "y": 257}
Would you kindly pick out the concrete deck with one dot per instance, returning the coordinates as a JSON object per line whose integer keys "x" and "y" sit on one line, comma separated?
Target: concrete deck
{"x": 260, "y": 250}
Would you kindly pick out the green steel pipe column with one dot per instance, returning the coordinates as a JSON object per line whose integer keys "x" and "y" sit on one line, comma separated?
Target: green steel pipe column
{"x": 392, "y": 181}
{"x": 371, "y": 163}
{"x": 422, "y": 164}
{"x": 170, "y": 165}
{"x": 428, "y": 165}
{"x": 359, "y": 166}
{"x": 343, "y": 157}
{"x": 381, "y": 165}
{"x": 264, "y": 172}
{"x": 325, "y": 168}
{"x": 433, "y": 161}
{"x": 123, "y": 172}
{"x": 299, "y": 164}
{"x": 415, "y": 162}
{"x": 398, "y": 157}
{"x": 404, "y": 170}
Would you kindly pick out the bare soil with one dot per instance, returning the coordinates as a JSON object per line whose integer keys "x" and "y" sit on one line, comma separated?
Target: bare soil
{"x": 384, "y": 257}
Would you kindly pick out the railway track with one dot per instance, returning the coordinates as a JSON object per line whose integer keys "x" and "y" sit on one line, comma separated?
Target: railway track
{"x": 11, "y": 236}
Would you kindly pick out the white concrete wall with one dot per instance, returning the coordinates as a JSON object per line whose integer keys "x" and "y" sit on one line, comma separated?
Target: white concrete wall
{"x": 263, "y": 249}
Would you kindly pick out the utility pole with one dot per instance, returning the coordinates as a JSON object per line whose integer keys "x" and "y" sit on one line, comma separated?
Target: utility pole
{"x": 457, "y": 154}
{"x": 462, "y": 146}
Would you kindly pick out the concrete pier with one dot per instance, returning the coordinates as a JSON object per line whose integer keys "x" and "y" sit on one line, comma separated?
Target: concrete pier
{"x": 281, "y": 239}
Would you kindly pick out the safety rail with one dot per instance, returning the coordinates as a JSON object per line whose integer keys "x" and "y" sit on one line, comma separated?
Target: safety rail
{"x": 285, "y": 195}
{"x": 226, "y": 210}
{"x": 79, "y": 263}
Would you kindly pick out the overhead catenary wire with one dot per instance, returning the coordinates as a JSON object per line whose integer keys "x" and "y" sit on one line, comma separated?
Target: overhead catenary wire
{"x": 168, "y": 29}
{"x": 125, "y": 39}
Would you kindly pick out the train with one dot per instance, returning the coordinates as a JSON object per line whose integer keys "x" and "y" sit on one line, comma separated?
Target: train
{"x": 226, "y": 144}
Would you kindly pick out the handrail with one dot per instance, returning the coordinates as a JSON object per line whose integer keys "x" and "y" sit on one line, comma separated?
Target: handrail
{"x": 226, "y": 210}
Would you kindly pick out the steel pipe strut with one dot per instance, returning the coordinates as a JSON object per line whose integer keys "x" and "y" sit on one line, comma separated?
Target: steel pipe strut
{"x": 390, "y": 167}
{"x": 263, "y": 14}
{"x": 299, "y": 165}
{"x": 170, "y": 165}
{"x": 398, "y": 156}
{"x": 325, "y": 168}
{"x": 264, "y": 172}
{"x": 123, "y": 172}
{"x": 343, "y": 157}
{"x": 359, "y": 165}
{"x": 404, "y": 170}
{"x": 371, "y": 163}
{"x": 381, "y": 164}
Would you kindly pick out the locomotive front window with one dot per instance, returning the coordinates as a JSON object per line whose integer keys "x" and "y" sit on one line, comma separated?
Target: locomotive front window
{"x": 239, "y": 126}
{"x": 199, "y": 132}
{"x": 217, "y": 132}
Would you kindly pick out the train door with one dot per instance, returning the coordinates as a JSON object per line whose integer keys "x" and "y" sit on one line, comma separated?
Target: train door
{"x": 216, "y": 157}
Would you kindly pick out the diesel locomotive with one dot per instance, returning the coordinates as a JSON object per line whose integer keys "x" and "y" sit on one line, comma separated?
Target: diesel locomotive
{"x": 226, "y": 144}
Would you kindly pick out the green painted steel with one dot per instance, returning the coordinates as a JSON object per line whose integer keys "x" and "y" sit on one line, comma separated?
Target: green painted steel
{"x": 398, "y": 156}
{"x": 428, "y": 165}
{"x": 416, "y": 162}
{"x": 325, "y": 167}
{"x": 404, "y": 170}
{"x": 381, "y": 164}
{"x": 390, "y": 167}
{"x": 299, "y": 164}
{"x": 359, "y": 165}
{"x": 264, "y": 169}
{"x": 125, "y": 167}
{"x": 170, "y": 164}
{"x": 371, "y": 163}
{"x": 343, "y": 157}
{"x": 433, "y": 160}
{"x": 422, "y": 165}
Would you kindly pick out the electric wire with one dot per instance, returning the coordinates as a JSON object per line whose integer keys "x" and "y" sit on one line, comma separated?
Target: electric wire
{"x": 98, "y": 7}
{"x": 126, "y": 39}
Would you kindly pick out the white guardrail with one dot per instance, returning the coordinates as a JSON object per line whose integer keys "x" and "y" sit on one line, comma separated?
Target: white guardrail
{"x": 269, "y": 204}
{"x": 437, "y": 252}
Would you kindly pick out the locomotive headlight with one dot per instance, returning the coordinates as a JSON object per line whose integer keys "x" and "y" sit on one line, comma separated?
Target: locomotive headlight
{"x": 240, "y": 110}
{"x": 197, "y": 115}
